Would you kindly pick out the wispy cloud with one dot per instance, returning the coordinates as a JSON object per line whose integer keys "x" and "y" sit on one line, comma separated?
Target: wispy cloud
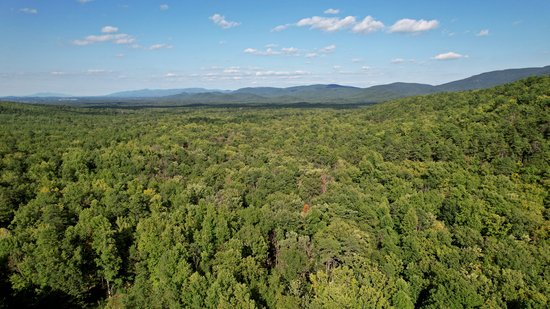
{"x": 29, "y": 11}
{"x": 333, "y": 24}
{"x": 321, "y": 51}
{"x": 164, "y": 7}
{"x": 449, "y": 56}
{"x": 222, "y": 22}
{"x": 266, "y": 52}
{"x": 280, "y": 28}
{"x": 84, "y": 1}
{"x": 271, "y": 50}
{"x": 407, "y": 25}
{"x": 368, "y": 25}
{"x": 484, "y": 32}
{"x": 247, "y": 74}
{"x": 328, "y": 49}
{"x": 402, "y": 61}
{"x": 281, "y": 73}
{"x": 109, "y": 35}
{"x": 332, "y": 11}
{"x": 160, "y": 46}
{"x": 327, "y": 24}
{"x": 290, "y": 50}
{"x": 97, "y": 71}
{"x": 109, "y": 29}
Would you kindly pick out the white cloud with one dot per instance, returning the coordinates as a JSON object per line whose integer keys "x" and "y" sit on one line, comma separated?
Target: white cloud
{"x": 271, "y": 51}
{"x": 164, "y": 7}
{"x": 328, "y": 24}
{"x": 321, "y": 51}
{"x": 332, "y": 11}
{"x": 84, "y": 1}
{"x": 29, "y": 11}
{"x": 290, "y": 50}
{"x": 398, "y": 60}
{"x": 267, "y": 52}
{"x": 109, "y": 35}
{"x": 365, "y": 68}
{"x": 159, "y": 46}
{"x": 368, "y": 25}
{"x": 222, "y": 22}
{"x": 109, "y": 29}
{"x": 250, "y": 74}
{"x": 280, "y": 28}
{"x": 170, "y": 75}
{"x": 281, "y": 73}
{"x": 57, "y": 73}
{"x": 449, "y": 56}
{"x": 96, "y": 71}
{"x": 328, "y": 49}
{"x": 356, "y": 60}
{"x": 232, "y": 70}
{"x": 123, "y": 39}
{"x": 407, "y": 25}
{"x": 484, "y": 32}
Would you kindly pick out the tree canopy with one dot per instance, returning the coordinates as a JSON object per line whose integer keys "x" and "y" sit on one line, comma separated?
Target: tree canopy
{"x": 429, "y": 201}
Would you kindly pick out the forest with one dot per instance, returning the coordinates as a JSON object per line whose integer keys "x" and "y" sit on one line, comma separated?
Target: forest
{"x": 433, "y": 201}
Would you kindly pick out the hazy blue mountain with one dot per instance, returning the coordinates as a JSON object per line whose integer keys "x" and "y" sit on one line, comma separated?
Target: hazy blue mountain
{"x": 155, "y": 93}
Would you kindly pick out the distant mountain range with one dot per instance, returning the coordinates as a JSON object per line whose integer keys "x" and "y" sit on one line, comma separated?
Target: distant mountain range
{"x": 313, "y": 94}
{"x": 336, "y": 94}
{"x": 155, "y": 93}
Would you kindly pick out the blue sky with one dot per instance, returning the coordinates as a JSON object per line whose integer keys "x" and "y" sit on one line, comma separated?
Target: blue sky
{"x": 93, "y": 47}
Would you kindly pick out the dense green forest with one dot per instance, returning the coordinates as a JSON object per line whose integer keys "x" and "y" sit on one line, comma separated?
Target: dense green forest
{"x": 437, "y": 201}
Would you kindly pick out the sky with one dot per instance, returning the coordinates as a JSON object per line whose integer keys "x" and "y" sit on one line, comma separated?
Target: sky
{"x": 96, "y": 47}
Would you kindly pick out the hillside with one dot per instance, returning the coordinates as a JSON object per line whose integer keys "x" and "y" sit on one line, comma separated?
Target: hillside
{"x": 433, "y": 201}
{"x": 491, "y": 79}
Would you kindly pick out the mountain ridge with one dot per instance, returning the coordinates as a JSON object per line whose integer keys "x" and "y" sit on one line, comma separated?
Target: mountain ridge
{"x": 309, "y": 94}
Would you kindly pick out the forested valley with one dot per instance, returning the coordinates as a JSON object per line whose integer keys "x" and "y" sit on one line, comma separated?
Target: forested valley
{"x": 435, "y": 201}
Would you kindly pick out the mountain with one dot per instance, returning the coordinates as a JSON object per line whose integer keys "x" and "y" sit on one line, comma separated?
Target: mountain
{"x": 396, "y": 90}
{"x": 311, "y": 91}
{"x": 491, "y": 79}
{"x": 310, "y": 94}
{"x": 338, "y": 94}
{"x": 156, "y": 93}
